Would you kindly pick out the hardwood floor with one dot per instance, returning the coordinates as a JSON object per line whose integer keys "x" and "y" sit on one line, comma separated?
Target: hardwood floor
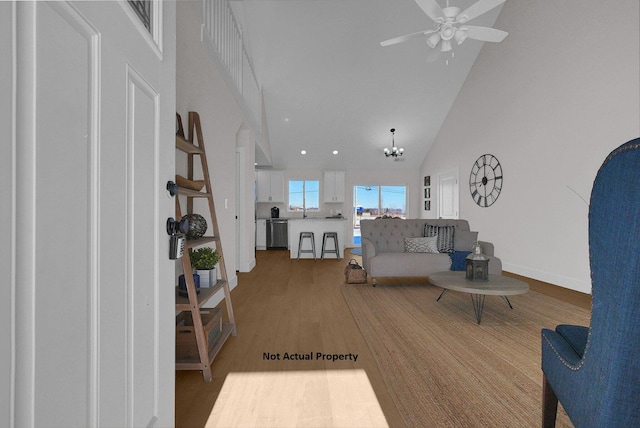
{"x": 290, "y": 306}
{"x": 582, "y": 300}
{"x": 284, "y": 306}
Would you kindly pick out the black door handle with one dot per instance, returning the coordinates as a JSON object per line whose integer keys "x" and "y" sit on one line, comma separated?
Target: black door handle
{"x": 174, "y": 227}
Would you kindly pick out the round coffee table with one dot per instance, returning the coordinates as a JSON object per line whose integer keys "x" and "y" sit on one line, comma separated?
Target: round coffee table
{"x": 496, "y": 285}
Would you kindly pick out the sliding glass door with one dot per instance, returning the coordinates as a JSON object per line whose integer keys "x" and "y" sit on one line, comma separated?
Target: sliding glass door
{"x": 371, "y": 202}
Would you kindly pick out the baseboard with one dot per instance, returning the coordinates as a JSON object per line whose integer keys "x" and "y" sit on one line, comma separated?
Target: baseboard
{"x": 577, "y": 298}
{"x": 581, "y": 285}
{"x": 248, "y": 267}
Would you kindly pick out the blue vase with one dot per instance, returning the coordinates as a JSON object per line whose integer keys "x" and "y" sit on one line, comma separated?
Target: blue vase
{"x": 182, "y": 285}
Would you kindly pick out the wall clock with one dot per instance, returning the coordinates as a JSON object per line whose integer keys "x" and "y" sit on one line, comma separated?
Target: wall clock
{"x": 485, "y": 180}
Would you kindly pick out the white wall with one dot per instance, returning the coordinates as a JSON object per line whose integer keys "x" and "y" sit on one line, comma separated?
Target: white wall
{"x": 550, "y": 101}
{"x": 201, "y": 88}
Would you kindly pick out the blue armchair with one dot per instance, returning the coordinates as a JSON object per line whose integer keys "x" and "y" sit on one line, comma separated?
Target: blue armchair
{"x": 595, "y": 371}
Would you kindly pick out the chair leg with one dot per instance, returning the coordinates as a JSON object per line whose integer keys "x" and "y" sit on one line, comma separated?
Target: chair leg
{"x": 549, "y": 404}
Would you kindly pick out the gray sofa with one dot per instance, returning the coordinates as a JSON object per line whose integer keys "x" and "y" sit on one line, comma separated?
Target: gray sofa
{"x": 384, "y": 255}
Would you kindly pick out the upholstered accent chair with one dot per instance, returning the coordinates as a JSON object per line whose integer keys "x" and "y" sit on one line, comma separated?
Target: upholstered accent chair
{"x": 595, "y": 371}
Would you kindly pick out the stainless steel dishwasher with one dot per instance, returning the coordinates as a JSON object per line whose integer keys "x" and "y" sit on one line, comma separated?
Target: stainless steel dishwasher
{"x": 277, "y": 234}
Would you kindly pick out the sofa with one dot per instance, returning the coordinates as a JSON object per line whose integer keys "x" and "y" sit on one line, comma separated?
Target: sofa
{"x": 419, "y": 247}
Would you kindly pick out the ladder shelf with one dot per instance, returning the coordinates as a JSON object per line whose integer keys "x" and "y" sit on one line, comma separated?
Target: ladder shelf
{"x": 200, "y": 332}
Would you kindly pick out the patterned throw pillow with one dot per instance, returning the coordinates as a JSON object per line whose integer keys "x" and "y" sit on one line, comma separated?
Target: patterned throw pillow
{"x": 421, "y": 245}
{"x": 444, "y": 234}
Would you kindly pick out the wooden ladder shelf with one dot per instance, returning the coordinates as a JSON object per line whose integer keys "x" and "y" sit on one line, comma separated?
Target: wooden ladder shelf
{"x": 200, "y": 332}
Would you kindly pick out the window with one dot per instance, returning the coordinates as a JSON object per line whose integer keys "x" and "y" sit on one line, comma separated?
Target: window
{"x": 370, "y": 202}
{"x": 143, "y": 9}
{"x": 376, "y": 201}
{"x": 304, "y": 195}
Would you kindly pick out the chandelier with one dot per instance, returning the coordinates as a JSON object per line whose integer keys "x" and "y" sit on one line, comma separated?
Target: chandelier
{"x": 393, "y": 151}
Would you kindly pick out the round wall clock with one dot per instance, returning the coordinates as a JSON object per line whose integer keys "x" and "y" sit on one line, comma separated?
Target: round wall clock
{"x": 485, "y": 180}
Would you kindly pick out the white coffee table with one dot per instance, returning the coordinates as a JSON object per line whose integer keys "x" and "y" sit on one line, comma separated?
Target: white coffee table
{"x": 496, "y": 285}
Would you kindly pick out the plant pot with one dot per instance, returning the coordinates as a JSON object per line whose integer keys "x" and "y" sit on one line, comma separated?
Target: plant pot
{"x": 182, "y": 285}
{"x": 208, "y": 277}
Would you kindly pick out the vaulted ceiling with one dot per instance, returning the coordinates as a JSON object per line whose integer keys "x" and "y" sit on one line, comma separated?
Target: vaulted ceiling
{"x": 329, "y": 85}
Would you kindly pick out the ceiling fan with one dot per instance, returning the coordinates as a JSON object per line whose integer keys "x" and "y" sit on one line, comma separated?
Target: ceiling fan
{"x": 450, "y": 24}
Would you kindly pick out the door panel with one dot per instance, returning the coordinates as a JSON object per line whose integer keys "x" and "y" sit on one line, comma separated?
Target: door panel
{"x": 7, "y": 170}
{"x": 448, "y": 191}
{"x": 142, "y": 281}
{"x": 65, "y": 206}
{"x": 94, "y": 299}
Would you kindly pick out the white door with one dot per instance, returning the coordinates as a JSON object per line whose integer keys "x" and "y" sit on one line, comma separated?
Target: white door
{"x": 94, "y": 114}
{"x": 448, "y": 194}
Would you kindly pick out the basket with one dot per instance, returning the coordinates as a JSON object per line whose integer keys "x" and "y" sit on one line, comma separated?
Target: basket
{"x": 186, "y": 344}
{"x": 354, "y": 273}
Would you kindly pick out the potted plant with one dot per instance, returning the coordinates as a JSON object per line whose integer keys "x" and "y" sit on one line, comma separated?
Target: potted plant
{"x": 204, "y": 261}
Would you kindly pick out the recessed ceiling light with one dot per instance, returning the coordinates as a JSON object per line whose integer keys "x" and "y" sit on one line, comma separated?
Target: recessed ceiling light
{"x": 335, "y": 152}
{"x": 303, "y": 152}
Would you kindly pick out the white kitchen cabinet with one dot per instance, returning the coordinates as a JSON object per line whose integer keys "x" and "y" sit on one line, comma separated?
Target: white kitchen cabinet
{"x": 261, "y": 234}
{"x": 334, "y": 186}
{"x": 270, "y": 186}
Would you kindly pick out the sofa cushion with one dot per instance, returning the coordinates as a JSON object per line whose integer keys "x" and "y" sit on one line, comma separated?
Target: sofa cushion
{"x": 445, "y": 236}
{"x": 421, "y": 245}
{"x": 464, "y": 240}
{"x": 408, "y": 264}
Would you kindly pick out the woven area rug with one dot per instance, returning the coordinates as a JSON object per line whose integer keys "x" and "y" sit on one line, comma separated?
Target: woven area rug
{"x": 443, "y": 369}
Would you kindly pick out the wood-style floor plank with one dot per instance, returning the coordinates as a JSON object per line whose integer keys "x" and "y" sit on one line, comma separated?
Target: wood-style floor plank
{"x": 291, "y": 306}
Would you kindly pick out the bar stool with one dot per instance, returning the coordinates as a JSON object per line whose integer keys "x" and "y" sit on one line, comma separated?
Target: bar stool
{"x": 313, "y": 244}
{"x": 335, "y": 250}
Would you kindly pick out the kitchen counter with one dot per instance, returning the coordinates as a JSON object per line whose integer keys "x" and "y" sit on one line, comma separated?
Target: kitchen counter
{"x": 318, "y": 226}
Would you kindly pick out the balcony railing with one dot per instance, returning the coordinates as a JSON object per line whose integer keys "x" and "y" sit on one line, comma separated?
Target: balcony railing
{"x": 224, "y": 37}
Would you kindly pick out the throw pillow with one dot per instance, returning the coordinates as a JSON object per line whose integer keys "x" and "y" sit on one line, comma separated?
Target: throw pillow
{"x": 458, "y": 262}
{"x": 464, "y": 240}
{"x": 445, "y": 236}
{"x": 421, "y": 245}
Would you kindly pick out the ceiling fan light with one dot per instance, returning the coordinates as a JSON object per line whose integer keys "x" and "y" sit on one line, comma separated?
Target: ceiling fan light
{"x": 433, "y": 40}
{"x": 461, "y": 35}
{"x": 445, "y": 46}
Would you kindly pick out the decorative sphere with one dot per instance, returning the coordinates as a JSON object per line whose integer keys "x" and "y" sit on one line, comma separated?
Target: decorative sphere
{"x": 197, "y": 226}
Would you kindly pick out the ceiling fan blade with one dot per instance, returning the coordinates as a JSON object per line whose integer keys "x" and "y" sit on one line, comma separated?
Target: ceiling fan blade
{"x": 431, "y": 8}
{"x": 477, "y": 9}
{"x": 484, "y": 34}
{"x": 404, "y": 38}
